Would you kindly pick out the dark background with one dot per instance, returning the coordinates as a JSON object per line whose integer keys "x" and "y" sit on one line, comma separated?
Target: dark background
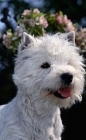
{"x": 74, "y": 119}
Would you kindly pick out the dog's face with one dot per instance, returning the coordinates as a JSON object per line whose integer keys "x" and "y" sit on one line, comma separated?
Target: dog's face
{"x": 50, "y": 68}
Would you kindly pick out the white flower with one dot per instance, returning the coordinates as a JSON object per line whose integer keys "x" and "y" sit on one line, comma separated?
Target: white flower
{"x": 31, "y": 22}
{"x": 26, "y": 12}
{"x": 36, "y": 11}
{"x": 42, "y": 21}
{"x": 14, "y": 38}
{"x": 19, "y": 30}
{"x": 7, "y": 40}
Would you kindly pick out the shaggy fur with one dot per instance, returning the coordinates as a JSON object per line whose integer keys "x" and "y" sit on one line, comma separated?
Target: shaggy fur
{"x": 43, "y": 70}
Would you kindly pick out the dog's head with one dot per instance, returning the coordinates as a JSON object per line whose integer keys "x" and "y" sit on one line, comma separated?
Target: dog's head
{"x": 50, "y": 68}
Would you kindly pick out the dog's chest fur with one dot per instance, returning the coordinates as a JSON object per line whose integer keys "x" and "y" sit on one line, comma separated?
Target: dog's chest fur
{"x": 28, "y": 124}
{"x": 47, "y": 127}
{"x": 41, "y": 124}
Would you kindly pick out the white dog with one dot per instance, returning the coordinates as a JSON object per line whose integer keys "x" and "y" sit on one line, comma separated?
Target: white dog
{"x": 49, "y": 75}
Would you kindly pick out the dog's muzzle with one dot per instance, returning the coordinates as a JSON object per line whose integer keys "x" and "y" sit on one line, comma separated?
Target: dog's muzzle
{"x": 64, "y": 91}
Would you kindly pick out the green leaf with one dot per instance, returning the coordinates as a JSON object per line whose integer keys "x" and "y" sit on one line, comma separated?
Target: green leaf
{"x": 61, "y": 13}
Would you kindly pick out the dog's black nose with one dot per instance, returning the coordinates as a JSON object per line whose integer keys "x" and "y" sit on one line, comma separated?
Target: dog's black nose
{"x": 67, "y": 78}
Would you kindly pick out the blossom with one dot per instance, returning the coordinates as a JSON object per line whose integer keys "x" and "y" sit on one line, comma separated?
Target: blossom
{"x": 81, "y": 38}
{"x": 65, "y": 22}
{"x": 19, "y": 30}
{"x": 69, "y": 26}
{"x": 65, "y": 19}
{"x": 42, "y": 21}
{"x": 26, "y": 12}
{"x": 31, "y": 22}
{"x": 59, "y": 19}
{"x": 36, "y": 11}
{"x": 7, "y": 41}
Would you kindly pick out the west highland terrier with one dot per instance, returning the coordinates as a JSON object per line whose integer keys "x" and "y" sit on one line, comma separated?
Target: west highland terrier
{"x": 49, "y": 75}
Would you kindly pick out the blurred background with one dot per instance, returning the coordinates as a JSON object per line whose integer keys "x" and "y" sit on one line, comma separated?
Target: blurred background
{"x": 74, "y": 119}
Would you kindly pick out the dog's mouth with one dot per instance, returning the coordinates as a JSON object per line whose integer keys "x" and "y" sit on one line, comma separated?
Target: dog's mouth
{"x": 63, "y": 92}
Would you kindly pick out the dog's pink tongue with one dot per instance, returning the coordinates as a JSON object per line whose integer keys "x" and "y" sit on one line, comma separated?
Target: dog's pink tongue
{"x": 65, "y": 92}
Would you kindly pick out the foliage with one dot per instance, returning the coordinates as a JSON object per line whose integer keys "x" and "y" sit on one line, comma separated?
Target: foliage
{"x": 37, "y": 23}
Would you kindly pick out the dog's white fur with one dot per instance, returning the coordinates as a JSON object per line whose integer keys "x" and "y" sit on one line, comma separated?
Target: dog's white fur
{"x": 34, "y": 114}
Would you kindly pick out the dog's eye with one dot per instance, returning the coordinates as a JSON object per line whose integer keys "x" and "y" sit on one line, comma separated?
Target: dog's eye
{"x": 45, "y": 65}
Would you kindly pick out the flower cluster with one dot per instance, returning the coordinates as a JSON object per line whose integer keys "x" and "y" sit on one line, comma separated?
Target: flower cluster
{"x": 37, "y": 23}
{"x": 34, "y": 17}
{"x": 65, "y": 22}
{"x": 81, "y": 39}
{"x": 7, "y": 40}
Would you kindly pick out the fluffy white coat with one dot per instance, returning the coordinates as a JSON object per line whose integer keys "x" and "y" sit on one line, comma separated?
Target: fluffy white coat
{"x": 34, "y": 114}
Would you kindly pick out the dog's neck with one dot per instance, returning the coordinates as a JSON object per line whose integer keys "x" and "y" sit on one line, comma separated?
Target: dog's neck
{"x": 43, "y": 119}
{"x": 36, "y": 104}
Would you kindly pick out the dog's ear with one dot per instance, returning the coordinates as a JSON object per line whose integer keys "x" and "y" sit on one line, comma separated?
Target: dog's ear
{"x": 71, "y": 37}
{"x": 26, "y": 41}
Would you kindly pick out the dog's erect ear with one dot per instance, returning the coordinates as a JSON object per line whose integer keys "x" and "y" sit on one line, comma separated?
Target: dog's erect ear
{"x": 26, "y": 41}
{"x": 71, "y": 37}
